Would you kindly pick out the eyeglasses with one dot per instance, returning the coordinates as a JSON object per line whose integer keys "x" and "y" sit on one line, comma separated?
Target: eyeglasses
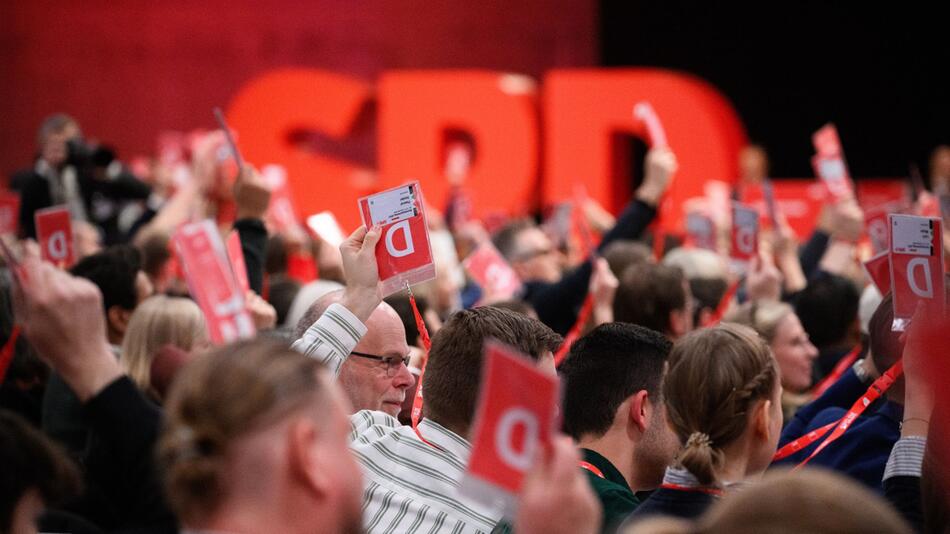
{"x": 391, "y": 363}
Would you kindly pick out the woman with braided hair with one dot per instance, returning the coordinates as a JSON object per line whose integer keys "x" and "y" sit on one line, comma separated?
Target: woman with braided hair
{"x": 723, "y": 400}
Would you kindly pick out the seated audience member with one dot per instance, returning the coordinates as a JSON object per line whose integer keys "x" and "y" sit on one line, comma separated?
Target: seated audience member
{"x": 828, "y": 310}
{"x": 810, "y": 501}
{"x": 707, "y": 276}
{"x": 723, "y": 401}
{"x": 623, "y": 253}
{"x": 118, "y": 275}
{"x": 35, "y": 475}
{"x": 376, "y": 376}
{"x": 613, "y": 409}
{"x": 398, "y": 494}
{"x": 266, "y": 452}
{"x": 157, "y": 322}
{"x": 281, "y": 292}
{"x": 400, "y": 302}
{"x": 657, "y": 297}
{"x": 778, "y": 325}
{"x": 557, "y": 296}
{"x": 862, "y": 451}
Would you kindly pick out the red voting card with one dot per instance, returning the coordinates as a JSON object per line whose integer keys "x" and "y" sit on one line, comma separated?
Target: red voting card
{"x": 745, "y": 232}
{"x": 515, "y": 418}
{"x": 879, "y": 271}
{"x": 916, "y": 246}
{"x": 54, "y": 231}
{"x": 404, "y": 253}
{"x": 829, "y": 163}
{"x": 700, "y": 231}
{"x": 212, "y": 284}
{"x": 644, "y": 112}
{"x": 325, "y": 225}
{"x": 236, "y": 255}
{"x": 876, "y": 226}
{"x": 9, "y": 213}
{"x": 492, "y": 273}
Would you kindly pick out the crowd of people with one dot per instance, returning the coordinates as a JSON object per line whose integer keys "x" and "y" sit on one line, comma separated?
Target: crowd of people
{"x": 688, "y": 396}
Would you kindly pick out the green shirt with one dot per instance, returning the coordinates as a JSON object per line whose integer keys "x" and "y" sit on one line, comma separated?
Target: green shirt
{"x": 615, "y": 496}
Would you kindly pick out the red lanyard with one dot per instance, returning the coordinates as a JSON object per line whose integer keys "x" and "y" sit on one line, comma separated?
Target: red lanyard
{"x": 716, "y": 492}
{"x": 6, "y": 354}
{"x": 840, "y": 426}
{"x": 840, "y": 369}
{"x": 582, "y": 316}
{"x": 416, "y": 413}
{"x": 592, "y": 468}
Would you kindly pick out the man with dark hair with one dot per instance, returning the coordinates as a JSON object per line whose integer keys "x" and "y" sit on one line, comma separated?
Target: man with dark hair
{"x": 118, "y": 275}
{"x": 614, "y": 411}
{"x": 557, "y": 296}
{"x": 412, "y": 477}
{"x": 657, "y": 297}
{"x": 863, "y": 450}
{"x": 828, "y": 309}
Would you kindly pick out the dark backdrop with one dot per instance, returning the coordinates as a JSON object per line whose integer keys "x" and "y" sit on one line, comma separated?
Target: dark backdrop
{"x": 876, "y": 69}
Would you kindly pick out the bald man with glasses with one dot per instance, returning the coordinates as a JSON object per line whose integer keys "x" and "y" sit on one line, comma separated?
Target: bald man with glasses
{"x": 376, "y": 375}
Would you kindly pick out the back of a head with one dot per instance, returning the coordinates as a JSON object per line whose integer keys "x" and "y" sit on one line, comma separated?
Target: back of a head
{"x": 215, "y": 401}
{"x": 809, "y": 501}
{"x": 647, "y": 294}
{"x": 281, "y": 294}
{"x": 156, "y": 322}
{"x": 762, "y": 316}
{"x": 827, "y": 308}
{"x": 31, "y": 462}
{"x": 604, "y": 368}
{"x": 621, "y": 254}
{"x": 114, "y": 271}
{"x": 697, "y": 263}
{"x": 454, "y": 368}
{"x": 715, "y": 376}
{"x": 311, "y": 301}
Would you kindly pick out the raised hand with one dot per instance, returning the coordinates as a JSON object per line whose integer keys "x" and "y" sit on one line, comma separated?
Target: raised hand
{"x": 360, "y": 271}
{"x": 658, "y": 174}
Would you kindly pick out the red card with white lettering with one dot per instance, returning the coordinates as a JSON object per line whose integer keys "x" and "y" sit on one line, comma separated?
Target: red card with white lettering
{"x": 700, "y": 231}
{"x": 916, "y": 245}
{"x": 238, "y": 266}
{"x": 515, "y": 418}
{"x": 645, "y": 113}
{"x": 54, "y": 231}
{"x": 211, "y": 282}
{"x": 745, "y": 233}
{"x": 829, "y": 163}
{"x": 9, "y": 213}
{"x": 403, "y": 254}
{"x": 492, "y": 273}
{"x": 879, "y": 271}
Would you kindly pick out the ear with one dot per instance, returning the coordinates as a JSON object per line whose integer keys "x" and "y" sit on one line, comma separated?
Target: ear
{"x": 678, "y": 323}
{"x": 118, "y": 318}
{"x": 762, "y": 419}
{"x": 304, "y": 458}
{"x": 639, "y": 410}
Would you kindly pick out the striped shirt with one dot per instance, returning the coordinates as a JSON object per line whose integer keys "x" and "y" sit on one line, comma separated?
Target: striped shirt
{"x": 409, "y": 486}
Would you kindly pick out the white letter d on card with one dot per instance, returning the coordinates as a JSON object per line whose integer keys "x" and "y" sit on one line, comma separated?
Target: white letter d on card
{"x": 391, "y": 248}
{"x": 519, "y": 460}
{"x": 928, "y": 291}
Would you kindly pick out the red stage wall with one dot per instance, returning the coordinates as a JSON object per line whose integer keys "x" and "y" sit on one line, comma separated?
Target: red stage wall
{"x": 128, "y": 70}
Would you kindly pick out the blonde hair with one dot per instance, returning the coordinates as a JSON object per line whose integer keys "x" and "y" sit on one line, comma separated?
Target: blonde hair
{"x": 215, "y": 401}
{"x": 156, "y": 322}
{"x": 715, "y": 377}
{"x": 761, "y": 316}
